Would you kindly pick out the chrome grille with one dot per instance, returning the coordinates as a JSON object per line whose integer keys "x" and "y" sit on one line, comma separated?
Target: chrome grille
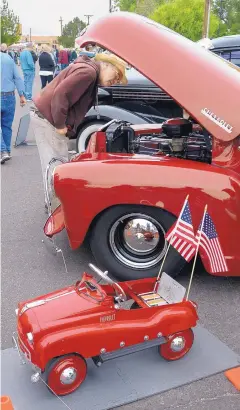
{"x": 140, "y": 94}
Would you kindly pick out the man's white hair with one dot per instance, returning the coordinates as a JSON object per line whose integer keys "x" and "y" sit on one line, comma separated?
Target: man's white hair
{"x": 4, "y": 47}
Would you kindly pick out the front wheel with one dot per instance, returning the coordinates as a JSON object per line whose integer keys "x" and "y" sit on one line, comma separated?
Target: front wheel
{"x": 177, "y": 345}
{"x": 118, "y": 242}
{"x": 66, "y": 374}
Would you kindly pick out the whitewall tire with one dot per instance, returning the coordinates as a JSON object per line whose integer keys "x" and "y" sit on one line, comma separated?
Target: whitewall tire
{"x": 85, "y": 134}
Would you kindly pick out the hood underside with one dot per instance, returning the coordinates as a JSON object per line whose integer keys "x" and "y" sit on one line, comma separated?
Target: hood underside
{"x": 205, "y": 85}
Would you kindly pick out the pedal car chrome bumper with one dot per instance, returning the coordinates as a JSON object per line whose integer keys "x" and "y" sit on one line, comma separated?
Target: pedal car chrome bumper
{"x": 16, "y": 346}
{"x": 24, "y": 359}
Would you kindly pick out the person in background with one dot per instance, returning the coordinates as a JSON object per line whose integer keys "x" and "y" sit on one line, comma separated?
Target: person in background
{"x": 11, "y": 54}
{"x": 28, "y": 68}
{"x": 73, "y": 55}
{"x": 10, "y": 79}
{"x": 62, "y": 105}
{"x": 69, "y": 51}
{"x": 16, "y": 57}
{"x": 54, "y": 55}
{"x": 47, "y": 66}
{"x": 57, "y": 53}
{"x": 34, "y": 54}
{"x": 63, "y": 58}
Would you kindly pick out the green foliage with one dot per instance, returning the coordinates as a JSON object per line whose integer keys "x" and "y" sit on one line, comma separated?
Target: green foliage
{"x": 70, "y": 32}
{"x": 228, "y": 12}
{"x": 143, "y": 7}
{"x": 127, "y": 5}
{"x": 147, "y": 7}
{"x": 10, "y": 29}
{"x": 185, "y": 17}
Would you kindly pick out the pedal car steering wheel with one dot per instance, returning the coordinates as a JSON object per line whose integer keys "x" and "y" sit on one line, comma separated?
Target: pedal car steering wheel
{"x": 121, "y": 295}
{"x": 89, "y": 286}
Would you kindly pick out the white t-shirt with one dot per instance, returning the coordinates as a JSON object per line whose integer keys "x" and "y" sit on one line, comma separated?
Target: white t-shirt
{"x": 47, "y": 73}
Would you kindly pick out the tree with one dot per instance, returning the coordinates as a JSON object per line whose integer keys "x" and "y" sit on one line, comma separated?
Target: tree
{"x": 147, "y": 7}
{"x": 143, "y": 7}
{"x": 185, "y": 17}
{"x": 70, "y": 32}
{"x": 228, "y": 12}
{"x": 10, "y": 27}
{"x": 127, "y": 5}
{"x": 114, "y": 5}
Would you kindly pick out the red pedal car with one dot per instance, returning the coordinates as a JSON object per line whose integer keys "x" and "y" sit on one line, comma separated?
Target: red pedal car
{"x": 139, "y": 175}
{"x": 59, "y": 331}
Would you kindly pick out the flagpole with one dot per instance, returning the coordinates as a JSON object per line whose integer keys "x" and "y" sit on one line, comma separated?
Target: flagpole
{"x": 170, "y": 242}
{"x": 195, "y": 258}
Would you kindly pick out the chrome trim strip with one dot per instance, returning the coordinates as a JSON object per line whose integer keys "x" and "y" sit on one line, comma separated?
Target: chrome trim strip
{"x": 43, "y": 301}
{"x": 59, "y": 296}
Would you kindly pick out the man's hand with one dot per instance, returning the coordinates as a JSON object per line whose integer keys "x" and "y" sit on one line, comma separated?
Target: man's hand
{"x": 23, "y": 101}
{"x": 62, "y": 131}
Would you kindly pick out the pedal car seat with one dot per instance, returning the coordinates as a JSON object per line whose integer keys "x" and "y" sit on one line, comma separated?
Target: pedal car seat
{"x": 166, "y": 291}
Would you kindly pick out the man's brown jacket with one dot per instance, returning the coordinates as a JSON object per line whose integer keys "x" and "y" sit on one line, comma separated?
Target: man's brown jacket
{"x": 66, "y": 100}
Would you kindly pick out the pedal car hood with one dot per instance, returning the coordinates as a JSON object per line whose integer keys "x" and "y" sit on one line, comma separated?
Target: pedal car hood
{"x": 57, "y": 310}
{"x": 205, "y": 85}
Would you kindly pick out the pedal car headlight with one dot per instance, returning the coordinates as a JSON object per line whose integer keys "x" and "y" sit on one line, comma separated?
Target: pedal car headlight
{"x": 30, "y": 337}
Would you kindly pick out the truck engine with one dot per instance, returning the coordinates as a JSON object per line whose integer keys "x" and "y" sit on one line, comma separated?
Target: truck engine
{"x": 178, "y": 138}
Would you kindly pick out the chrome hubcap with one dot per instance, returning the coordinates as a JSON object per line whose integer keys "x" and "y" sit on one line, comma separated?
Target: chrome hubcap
{"x": 137, "y": 240}
{"x": 68, "y": 376}
{"x": 178, "y": 344}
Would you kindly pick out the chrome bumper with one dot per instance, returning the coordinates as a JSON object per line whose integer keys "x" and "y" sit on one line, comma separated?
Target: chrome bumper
{"x": 24, "y": 359}
{"x": 46, "y": 181}
{"x": 15, "y": 344}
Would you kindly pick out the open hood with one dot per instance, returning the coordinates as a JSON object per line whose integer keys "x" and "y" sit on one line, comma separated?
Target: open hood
{"x": 205, "y": 85}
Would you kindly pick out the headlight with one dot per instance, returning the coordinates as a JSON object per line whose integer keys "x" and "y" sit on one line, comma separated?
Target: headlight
{"x": 30, "y": 337}
{"x": 16, "y": 311}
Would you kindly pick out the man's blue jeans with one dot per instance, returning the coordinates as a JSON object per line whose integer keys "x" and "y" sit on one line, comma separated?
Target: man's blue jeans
{"x": 28, "y": 82}
{"x": 8, "y": 104}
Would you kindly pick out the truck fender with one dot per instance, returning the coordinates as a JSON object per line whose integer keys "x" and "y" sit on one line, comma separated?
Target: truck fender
{"x": 111, "y": 112}
{"x": 156, "y": 182}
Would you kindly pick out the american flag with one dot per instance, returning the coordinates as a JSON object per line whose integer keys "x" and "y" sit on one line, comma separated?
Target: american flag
{"x": 209, "y": 247}
{"x": 181, "y": 235}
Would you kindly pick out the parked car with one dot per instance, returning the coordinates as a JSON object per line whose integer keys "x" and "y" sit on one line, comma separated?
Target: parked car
{"x": 142, "y": 101}
{"x": 115, "y": 185}
{"x": 227, "y": 47}
{"x": 57, "y": 332}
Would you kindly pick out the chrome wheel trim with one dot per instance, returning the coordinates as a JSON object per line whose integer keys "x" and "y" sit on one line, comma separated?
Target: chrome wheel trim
{"x": 68, "y": 375}
{"x": 178, "y": 344}
{"x": 130, "y": 256}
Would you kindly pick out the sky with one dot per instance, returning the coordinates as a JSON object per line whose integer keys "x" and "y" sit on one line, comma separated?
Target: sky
{"x": 42, "y": 16}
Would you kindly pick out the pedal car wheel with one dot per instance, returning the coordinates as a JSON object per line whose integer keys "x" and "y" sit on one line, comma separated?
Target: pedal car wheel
{"x": 177, "y": 346}
{"x": 66, "y": 374}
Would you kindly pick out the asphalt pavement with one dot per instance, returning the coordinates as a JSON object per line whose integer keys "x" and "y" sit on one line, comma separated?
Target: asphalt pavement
{"x": 30, "y": 268}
